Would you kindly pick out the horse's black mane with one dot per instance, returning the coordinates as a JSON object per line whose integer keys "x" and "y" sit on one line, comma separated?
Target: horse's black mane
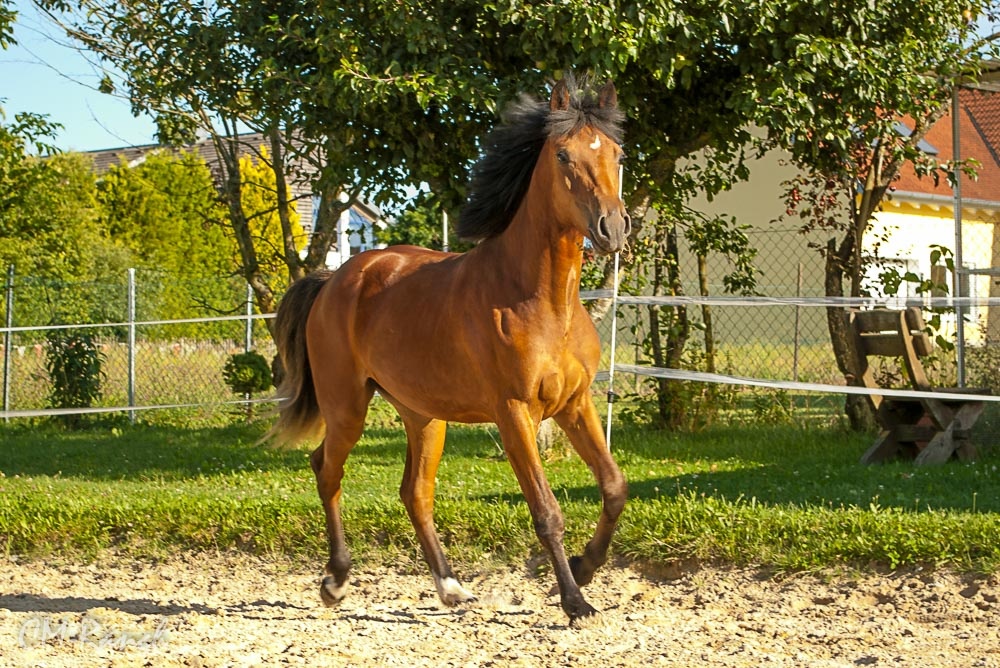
{"x": 502, "y": 175}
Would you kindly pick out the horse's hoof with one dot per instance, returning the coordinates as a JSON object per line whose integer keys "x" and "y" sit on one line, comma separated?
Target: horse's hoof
{"x": 332, "y": 593}
{"x": 581, "y": 575}
{"x": 451, "y": 592}
{"x": 580, "y": 611}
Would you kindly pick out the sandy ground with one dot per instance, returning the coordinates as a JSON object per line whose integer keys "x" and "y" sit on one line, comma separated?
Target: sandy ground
{"x": 234, "y": 610}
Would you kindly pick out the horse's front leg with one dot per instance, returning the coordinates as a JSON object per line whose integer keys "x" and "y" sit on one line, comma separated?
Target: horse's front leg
{"x": 582, "y": 425}
{"x": 517, "y": 430}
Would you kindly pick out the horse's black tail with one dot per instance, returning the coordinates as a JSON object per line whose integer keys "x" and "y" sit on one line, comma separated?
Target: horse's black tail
{"x": 298, "y": 410}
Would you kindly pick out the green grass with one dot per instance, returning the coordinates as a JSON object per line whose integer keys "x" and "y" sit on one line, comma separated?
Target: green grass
{"x": 782, "y": 497}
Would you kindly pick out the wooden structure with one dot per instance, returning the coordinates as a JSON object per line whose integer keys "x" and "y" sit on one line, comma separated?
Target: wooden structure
{"x": 926, "y": 429}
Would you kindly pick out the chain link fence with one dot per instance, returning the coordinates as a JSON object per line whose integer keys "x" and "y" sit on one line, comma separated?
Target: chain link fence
{"x": 150, "y": 359}
{"x": 792, "y": 342}
{"x": 153, "y": 353}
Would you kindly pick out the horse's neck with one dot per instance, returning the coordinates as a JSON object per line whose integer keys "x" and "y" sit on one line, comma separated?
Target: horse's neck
{"x": 539, "y": 261}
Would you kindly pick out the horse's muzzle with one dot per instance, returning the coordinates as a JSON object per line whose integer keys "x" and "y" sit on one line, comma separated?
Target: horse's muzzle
{"x": 609, "y": 232}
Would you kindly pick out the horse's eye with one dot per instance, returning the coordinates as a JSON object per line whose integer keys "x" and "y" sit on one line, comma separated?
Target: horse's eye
{"x": 621, "y": 158}
{"x": 562, "y": 156}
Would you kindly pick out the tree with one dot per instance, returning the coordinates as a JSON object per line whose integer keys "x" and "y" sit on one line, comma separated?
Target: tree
{"x": 386, "y": 95}
{"x": 166, "y": 212}
{"x": 845, "y": 180}
{"x": 234, "y": 75}
{"x": 51, "y": 234}
{"x": 47, "y": 216}
{"x": 261, "y": 203}
{"x": 421, "y": 223}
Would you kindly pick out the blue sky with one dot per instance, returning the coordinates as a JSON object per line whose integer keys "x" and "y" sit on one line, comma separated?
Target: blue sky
{"x": 42, "y": 75}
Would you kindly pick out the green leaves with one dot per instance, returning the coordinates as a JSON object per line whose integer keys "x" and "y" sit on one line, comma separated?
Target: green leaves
{"x": 247, "y": 373}
{"x": 73, "y": 361}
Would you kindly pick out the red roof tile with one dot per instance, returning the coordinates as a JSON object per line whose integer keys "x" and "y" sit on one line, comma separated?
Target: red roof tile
{"x": 979, "y": 131}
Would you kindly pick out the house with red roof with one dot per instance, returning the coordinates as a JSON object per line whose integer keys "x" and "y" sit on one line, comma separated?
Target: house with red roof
{"x": 921, "y": 212}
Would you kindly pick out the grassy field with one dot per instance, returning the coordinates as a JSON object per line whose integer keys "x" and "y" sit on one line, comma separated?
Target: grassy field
{"x": 781, "y": 497}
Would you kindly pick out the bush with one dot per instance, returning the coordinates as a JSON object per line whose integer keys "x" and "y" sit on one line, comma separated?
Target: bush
{"x": 246, "y": 373}
{"x": 73, "y": 361}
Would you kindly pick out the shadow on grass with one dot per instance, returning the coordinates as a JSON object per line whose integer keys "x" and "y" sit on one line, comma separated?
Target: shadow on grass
{"x": 777, "y": 465}
{"x": 114, "y": 453}
{"x": 781, "y": 466}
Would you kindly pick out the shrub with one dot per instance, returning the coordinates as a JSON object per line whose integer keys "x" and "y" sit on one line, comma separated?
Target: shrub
{"x": 73, "y": 362}
{"x": 246, "y": 373}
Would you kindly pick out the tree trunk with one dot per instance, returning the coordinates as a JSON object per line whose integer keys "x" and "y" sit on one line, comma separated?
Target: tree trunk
{"x": 291, "y": 254}
{"x": 228, "y": 150}
{"x": 706, "y": 314}
{"x": 324, "y": 235}
{"x": 857, "y": 409}
{"x": 668, "y": 338}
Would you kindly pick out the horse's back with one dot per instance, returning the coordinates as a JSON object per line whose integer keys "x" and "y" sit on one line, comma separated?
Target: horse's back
{"x": 374, "y": 295}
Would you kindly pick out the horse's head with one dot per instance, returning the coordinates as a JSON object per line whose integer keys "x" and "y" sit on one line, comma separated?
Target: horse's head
{"x": 583, "y": 157}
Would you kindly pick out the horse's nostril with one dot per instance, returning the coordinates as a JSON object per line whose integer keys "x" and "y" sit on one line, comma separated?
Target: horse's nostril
{"x": 602, "y": 227}
{"x": 628, "y": 224}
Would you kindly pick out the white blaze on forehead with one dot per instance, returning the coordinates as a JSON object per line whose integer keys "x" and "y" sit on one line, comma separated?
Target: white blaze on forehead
{"x": 596, "y": 144}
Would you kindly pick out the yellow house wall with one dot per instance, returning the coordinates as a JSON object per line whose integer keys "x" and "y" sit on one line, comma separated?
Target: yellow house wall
{"x": 908, "y": 230}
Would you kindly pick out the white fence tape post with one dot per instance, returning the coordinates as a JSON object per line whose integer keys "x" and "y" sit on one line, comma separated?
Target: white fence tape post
{"x": 611, "y": 364}
{"x": 444, "y": 231}
{"x": 248, "y": 339}
{"x": 614, "y": 327}
{"x": 248, "y": 331}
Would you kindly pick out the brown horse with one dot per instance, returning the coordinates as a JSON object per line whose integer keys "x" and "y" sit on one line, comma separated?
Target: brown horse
{"x": 497, "y": 334}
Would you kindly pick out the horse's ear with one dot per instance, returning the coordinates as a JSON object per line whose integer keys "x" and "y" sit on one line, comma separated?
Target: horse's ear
{"x": 608, "y": 97}
{"x": 560, "y": 96}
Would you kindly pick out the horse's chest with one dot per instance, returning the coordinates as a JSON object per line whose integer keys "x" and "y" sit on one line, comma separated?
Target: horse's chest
{"x": 547, "y": 360}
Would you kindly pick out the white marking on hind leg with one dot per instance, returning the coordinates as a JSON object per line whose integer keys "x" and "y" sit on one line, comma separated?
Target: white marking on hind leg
{"x": 332, "y": 593}
{"x": 336, "y": 591}
{"x": 451, "y": 592}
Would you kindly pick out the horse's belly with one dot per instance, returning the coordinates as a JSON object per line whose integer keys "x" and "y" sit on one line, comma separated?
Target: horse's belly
{"x": 427, "y": 375}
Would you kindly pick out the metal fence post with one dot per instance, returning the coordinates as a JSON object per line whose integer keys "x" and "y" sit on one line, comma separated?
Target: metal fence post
{"x": 248, "y": 333}
{"x": 248, "y": 338}
{"x": 7, "y": 335}
{"x": 444, "y": 231}
{"x": 959, "y": 262}
{"x": 131, "y": 344}
{"x": 798, "y": 330}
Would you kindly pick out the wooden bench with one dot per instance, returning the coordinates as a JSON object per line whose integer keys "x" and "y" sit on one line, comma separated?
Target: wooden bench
{"x": 927, "y": 430}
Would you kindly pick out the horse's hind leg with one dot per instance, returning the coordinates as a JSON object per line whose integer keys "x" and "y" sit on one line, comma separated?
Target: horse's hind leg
{"x": 583, "y": 427}
{"x": 344, "y": 424}
{"x": 425, "y": 444}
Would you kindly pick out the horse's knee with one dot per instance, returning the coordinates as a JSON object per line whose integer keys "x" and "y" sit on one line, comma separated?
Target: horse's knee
{"x": 408, "y": 495}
